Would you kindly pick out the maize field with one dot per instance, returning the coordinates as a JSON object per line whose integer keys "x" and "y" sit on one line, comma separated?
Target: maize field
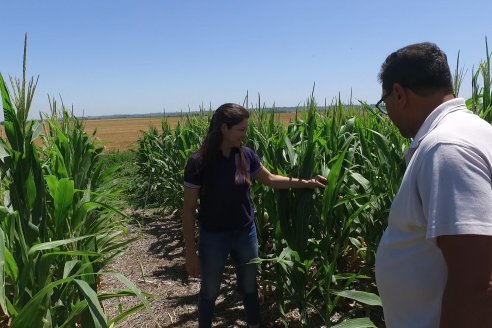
{"x": 61, "y": 219}
{"x": 317, "y": 248}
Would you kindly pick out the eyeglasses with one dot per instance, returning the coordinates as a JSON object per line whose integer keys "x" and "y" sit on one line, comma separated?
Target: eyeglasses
{"x": 381, "y": 105}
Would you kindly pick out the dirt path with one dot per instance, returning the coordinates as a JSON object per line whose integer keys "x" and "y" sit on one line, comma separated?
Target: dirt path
{"x": 154, "y": 263}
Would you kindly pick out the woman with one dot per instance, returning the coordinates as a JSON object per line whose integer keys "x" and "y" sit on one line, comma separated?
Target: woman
{"x": 220, "y": 174}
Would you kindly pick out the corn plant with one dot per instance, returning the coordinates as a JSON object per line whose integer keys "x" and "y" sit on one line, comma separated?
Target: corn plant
{"x": 318, "y": 248}
{"x": 57, "y": 230}
{"x": 302, "y": 242}
{"x": 481, "y": 99}
{"x": 161, "y": 159}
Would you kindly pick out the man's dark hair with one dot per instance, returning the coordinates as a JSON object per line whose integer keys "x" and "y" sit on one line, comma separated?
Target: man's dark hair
{"x": 421, "y": 67}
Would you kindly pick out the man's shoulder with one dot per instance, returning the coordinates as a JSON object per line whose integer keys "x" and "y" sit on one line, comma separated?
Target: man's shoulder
{"x": 462, "y": 129}
{"x": 462, "y": 142}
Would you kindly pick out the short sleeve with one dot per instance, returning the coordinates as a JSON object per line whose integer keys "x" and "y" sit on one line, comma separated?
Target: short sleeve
{"x": 192, "y": 173}
{"x": 455, "y": 187}
{"x": 254, "y": 163}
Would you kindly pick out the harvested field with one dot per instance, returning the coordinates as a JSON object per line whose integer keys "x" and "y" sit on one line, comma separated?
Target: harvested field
{"x": 122, "y": 134}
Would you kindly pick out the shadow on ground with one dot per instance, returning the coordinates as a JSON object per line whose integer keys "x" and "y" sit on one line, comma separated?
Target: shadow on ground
{"x": 155, "y": 263}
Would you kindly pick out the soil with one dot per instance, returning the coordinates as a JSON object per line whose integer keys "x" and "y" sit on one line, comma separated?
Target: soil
{"x": 154, "y": 263}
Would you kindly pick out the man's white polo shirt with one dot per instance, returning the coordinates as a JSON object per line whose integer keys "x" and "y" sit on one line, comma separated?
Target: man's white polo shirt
{"x": 446, "y": 190}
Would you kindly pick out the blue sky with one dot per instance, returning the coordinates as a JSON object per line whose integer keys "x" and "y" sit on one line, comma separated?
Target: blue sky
{"x": 117, "y": 57}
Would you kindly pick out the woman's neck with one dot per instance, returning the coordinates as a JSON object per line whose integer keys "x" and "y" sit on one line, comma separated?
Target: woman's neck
{"x": 226, "y": 150}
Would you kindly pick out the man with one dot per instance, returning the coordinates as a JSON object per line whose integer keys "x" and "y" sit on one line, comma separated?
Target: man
{"x": 434, "y": 261}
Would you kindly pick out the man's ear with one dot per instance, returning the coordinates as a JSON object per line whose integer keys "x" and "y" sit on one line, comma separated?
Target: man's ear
{"x": 401, "y": 94}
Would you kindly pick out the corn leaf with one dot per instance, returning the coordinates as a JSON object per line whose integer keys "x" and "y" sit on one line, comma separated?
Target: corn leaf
{"x": 360, "y": 296}
{"x": 93, "y": 302}
{"x": 68, "y": 267}
{"x": 3, "y": 302}
{"x": 55, "y": 244}
{"x": 356, "y": 323}
{"x": 11, "y": 268}
{"x": 125, "y": 314}
{"x": 31, "y": 189}
{"x": 74, "y": 315}
{"x": 33, "y": 312}
{"x": 63, "y": 200}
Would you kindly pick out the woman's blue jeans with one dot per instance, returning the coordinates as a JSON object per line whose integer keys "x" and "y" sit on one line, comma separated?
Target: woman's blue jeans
{"x": 213, "y": 250}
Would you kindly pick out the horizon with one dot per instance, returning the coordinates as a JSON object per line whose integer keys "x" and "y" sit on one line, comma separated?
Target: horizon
{"x": 125, "y": 58}
{"x": 283, "y": 109}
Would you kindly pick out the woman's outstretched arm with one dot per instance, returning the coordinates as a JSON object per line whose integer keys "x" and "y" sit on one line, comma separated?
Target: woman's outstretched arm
{"x": 282, "y": 182}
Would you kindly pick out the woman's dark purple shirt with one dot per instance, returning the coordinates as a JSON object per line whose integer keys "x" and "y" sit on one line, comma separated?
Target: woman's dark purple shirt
{"x": 224, "y": 205}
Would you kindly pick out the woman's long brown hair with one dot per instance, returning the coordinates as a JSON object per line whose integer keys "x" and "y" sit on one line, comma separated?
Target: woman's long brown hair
{"x": 229, "y": 114}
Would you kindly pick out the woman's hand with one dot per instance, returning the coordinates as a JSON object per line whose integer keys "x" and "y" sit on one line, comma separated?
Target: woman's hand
{"x": 317, "y": 182}
{"x": 282, "y": 182}
{"x": 192, "y": 265}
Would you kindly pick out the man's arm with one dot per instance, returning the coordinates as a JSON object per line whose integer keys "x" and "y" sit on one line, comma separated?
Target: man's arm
{"x": 467, "y": 299}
